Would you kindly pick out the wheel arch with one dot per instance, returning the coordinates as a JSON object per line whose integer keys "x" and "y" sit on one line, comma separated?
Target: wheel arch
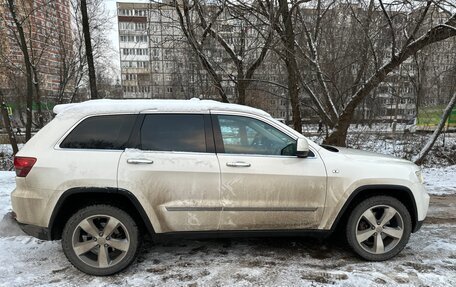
{"x": 76, "y": 198}
{"x": 401, "y": 193}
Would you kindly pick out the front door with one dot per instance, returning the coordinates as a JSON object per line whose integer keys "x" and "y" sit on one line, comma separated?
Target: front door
{"x": 264, "y": 185}
{"x": 175, "y": 171}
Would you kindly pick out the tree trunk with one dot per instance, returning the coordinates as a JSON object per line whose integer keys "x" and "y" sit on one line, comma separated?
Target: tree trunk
{"x": 288, "y": 39}
{"x": 293, "y": 90}
{"x": 241, "y": 89}
{"x": 38, "y": 99}
{"x": 427, "y": 148}
{"x": 28, "y": 68}
{"x": 7, "y": 123}
{"x": 89, "y": 52}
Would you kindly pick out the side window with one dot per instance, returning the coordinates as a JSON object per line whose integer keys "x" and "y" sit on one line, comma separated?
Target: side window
{"x": 173, "y": 132}
{"x": 243, "y": 135}
{"x": 101, "y": 132}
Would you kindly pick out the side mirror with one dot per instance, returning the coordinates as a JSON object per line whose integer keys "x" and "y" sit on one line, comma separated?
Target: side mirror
{"x": 302, "y": 148}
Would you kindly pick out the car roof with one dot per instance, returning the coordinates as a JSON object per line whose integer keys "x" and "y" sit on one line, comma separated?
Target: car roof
{"x": 104, "y": 106}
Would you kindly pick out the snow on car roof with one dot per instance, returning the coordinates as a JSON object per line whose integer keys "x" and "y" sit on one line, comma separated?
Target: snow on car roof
{"x": 104, "y": 106}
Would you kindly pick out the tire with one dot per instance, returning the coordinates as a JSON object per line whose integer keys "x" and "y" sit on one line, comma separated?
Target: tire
{"x": 377, "y": 242}
{"x": 97, "y": 247}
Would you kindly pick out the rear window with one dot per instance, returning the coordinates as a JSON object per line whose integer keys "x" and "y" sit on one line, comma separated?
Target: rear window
{"x": 101, "y": 132}
{"x": 171, "y": 132}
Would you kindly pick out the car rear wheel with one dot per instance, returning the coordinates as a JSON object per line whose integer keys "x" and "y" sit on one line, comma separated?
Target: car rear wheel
{"x": 379, "y": 228}
{"x": 100, "y": 240}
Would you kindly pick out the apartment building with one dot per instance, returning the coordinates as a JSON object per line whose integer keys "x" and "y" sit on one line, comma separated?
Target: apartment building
{"x": 47, "y": 29}
{"x": 157, "y": 62}
{"x": 151, "y": 54}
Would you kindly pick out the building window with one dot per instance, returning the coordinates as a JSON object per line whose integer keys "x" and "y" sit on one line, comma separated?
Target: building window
{"x": 141, "y": 38}
{"x": 142, "y": 64}
{"x": 126, "y": 26}
{"x": 140, "y": 26}
{"x": 128, "y": 77}
{"x": 141, "y": 52}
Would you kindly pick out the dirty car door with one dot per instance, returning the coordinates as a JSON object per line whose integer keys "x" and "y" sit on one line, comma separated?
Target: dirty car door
{"x": 175, "y": 172}
{"x": 264, "y": 185}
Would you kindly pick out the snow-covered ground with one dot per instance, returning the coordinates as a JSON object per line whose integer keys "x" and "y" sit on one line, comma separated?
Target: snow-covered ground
{"x": 440, "y": 181}
{"x": 403, "y": 145}
{"x": 428, "y": 260}
{"x": 7, "y": 184}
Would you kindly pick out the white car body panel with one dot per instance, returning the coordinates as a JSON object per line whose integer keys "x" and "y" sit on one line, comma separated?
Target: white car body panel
{"x": 179, "y": 191}
{"x": 272, "y": 193}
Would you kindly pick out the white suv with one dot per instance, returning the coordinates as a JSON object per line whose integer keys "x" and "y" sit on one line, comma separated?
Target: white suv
{"x": 102, "y": 172}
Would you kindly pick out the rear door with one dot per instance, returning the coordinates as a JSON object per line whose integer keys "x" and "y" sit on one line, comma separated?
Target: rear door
{"x": 175, "y": 170}
{"x": 264, "y": 185}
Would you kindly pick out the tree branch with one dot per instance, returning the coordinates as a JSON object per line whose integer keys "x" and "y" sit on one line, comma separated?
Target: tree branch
{"x": 390, "y": 24}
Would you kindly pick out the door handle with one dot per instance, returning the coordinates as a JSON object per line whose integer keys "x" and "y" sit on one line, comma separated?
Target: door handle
{"x": 139, "y": 161}
{"x": 238, "y": 164}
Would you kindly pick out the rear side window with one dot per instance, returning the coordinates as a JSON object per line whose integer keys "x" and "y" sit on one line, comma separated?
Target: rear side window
{"x": 101, "y": 132}
{"x": 172, "y": 132}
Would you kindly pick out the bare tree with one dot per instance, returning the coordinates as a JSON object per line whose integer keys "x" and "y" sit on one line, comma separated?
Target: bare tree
{"x": 287, "y": 35}
{"x": 75, "y": 71}
{"x": 34, "y": 66}
{"x": 196, "y": 42}
{"x": 286, "y": 32}
{"x": 22, "y": 42}
{"x": 345, "y": 71}
{"x": 88, "y": 50}
{"x": 436, "y": 34}
{"x": 418, "y": 159}
{"x": 245, "y": 43}
{"x": 7, "y": 123}
{"x": 38, "y": 45}
{"x": 242, "y": 46}
{"x": 71, "y": 66}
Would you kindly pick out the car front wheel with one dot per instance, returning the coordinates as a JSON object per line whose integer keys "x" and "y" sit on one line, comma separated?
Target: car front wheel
{"x": 379, "y": 228}
{"x": 100, "y": 240}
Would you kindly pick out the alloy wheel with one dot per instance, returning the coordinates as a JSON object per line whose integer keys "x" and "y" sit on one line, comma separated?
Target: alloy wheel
{"x": 379, "y": 229}
{"x": 101, "y": 241}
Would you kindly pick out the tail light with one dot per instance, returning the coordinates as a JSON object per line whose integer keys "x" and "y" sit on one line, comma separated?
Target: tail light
{"x": 23, "y": 165}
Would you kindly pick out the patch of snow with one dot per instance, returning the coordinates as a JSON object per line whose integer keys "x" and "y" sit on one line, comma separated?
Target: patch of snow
{"x": 6, "y": 149}
{"x": 440, "y": 180}
{"x": 402, "y": 145}
{"x": 428, "y": 260}
{"x": 7, "y": 184}
{"x": 6, "y": 156}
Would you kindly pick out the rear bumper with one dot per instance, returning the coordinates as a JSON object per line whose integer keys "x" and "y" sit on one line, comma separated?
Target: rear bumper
{"x": 31, "y": 206}
{"x": 36, "y": 231}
